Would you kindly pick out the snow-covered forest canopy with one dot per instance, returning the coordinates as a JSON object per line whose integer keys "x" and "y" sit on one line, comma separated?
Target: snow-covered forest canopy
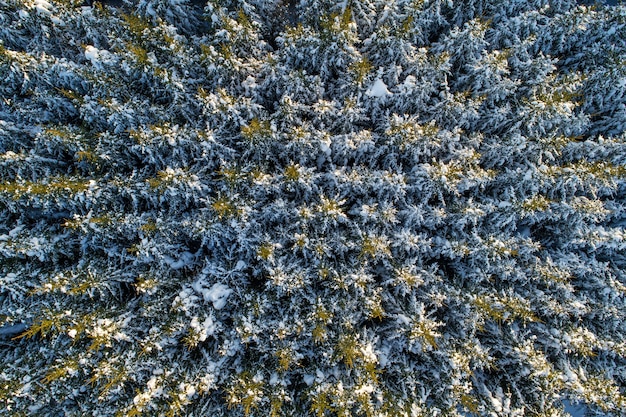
{"x": 312, "y": 208}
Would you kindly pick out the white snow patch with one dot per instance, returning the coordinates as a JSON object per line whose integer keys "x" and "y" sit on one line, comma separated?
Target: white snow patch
{"x": 43, "y": 7}
{"x": 368, "y": 353}
{"x": 274, "y": 378}
{"x": 217, "y": 294}
{"x": 378, "y": 89}
{"x": 177, "y": 264}
{"x": 92, "y": 53}
{"x": 383, "y": 358}
{"x": 409, "y": 84}
{"x": 308, "y": 379}
{"x": 189, "y": 390}
{"x": 403, "y": 319}
{"x": 98, "y": 56}
{"x": 185, "y": 260}
{"x": 325, "y": 145}
{"x": 365, "y": 389}
{"x": 204, "y": 329}
{"x": 10, "y": 277}
{"x": 528, "y": 175}
{"x": 496, "y": 401}
{"x": 249, "y": 84}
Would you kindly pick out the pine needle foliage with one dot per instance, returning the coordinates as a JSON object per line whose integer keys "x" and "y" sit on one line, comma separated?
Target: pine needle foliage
{"x": 312, "y": 208}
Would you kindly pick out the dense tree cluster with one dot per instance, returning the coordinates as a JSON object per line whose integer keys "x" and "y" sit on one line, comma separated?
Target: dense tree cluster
{"x": 312, "y": 208}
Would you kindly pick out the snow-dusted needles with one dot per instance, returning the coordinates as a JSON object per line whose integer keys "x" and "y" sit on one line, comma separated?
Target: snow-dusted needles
{"x": 236, "y": 208}
{"x": 378, "y": 89}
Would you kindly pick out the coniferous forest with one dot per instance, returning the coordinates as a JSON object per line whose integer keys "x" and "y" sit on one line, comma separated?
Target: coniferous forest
{"x": 377, "y": 208}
